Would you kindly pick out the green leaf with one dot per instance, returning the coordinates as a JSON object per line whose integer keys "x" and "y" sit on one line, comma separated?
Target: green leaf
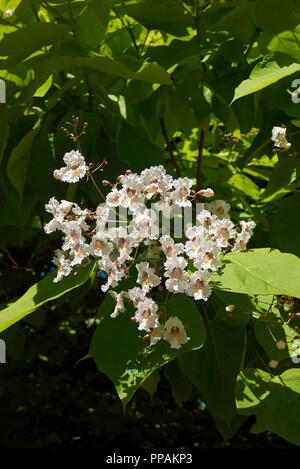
{"x": 281, "y": 176}
{"x": 286, "y": 225}
{"x": 91, "y": 25}
{"x": 259, "y": 271}
{"x": 251, "y": 389}
{"x": 181, "y": 386}
{"x": 18, "y": 162}
{"x": 164, "y": 15}
{"x": 239, "y": 21}
{"x": 117, "y": 343}
{"x": 150, "y": 384}
{"x": 265, "y": 73}
{"x": 214, "y": 368}
{"x": 136, "y": 149}
{"x": 274, "y": 399}
{"x": 245, "y": 185}
{"x": 287, "y": 42}
{"x": 269, "y": 331}
{"x": 25, "y": 41}
{"x": 149, "y": 71}
{"x": 41, "y": 293}
{"x": 274, "y": 15}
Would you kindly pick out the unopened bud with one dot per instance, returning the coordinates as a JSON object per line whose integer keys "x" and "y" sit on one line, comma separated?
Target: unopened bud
{"x": 56, "y": 174}
{"x": 206, "y": 192}
{"x": 230, "y": 308}
{"x": 128, "y": 172}
{"x": 273, "y": 364}
{"x": 288, "y": 306}
{"x": 91, "y": 165}
{"x": 106, "y": 183}
{"x": 133, "y": 319}
{"x": 280, "y": 345}
{"x": 76, "y": 274}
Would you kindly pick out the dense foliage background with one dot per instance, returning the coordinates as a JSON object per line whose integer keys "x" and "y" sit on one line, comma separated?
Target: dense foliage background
{"x": 196, "y": 86}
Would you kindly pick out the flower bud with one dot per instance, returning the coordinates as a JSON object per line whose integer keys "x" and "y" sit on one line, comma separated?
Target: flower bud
{"x": 56, "y": 174}
{"x": 230, "y": 308}
{"x": 280, "y": 345}
{"x": 273, "y": 364}
{"x": 106, "y": 183}
{"x": 206, "y": 192}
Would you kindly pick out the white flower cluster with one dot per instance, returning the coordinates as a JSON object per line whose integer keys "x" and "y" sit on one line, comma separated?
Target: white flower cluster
{"x": 185, "y": 266}
{"x": 75, "y": 167}
{"x": 279, "y": 138}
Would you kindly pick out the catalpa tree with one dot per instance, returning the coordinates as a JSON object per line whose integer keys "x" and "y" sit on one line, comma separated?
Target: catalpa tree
{"x": 150, "y": 149}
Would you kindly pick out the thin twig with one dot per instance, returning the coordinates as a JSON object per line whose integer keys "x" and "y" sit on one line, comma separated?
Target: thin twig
{"x": 51, "y": 9}
{"x": 249, "y": 48}
{"x": 10, "y": 23}
{"x": 199, "y": 162}
{"x": 128, "y": 28}
{"x": 169, "y": 147}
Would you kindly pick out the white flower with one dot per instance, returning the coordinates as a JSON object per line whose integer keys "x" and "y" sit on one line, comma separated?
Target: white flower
{"x": 224, "y": 230}
{"x": 114, "y": 198}
{"x": 63, "y": 264}
{"x": 156, "y": 334}
{"x": 169, "y": 247}
{"x": 175, "y": 333}
{"x": 182, "y": 192}
{"x": 78, "y": 252}
{"x": 279, "y": 138}
{"x": 296, "y": 353}
{"x": 196, "y": 243}
{"x": 209, "y": 257}
{"x": 132, "y": 195}
{"x": 136, "y": 295}
{"x": 178, "y": 277}
{"x": 75, "y": 167}
{"x": 156, "y": 181}
{"x": 146, "y": 315}
{"x": 113, "y": 270}
{"x": 244, "y": 236}
{"x": 59, "y": 211}
{"x": 206, "y": 220}
{"x": 146, "y": 275}
{"x": 99, "y": 245}
{"x": 199, "y": 285}
{"x": 73, "y": 234}
{"x": 143, "y": 224}
{"x": 220, "y": 208}
{"x": 124, "y": 243}
{"x": 119, "y": 306}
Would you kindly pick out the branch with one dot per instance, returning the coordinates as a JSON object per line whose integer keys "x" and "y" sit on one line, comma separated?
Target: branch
{"x": 199, "y": 162}
{"x": 10, "y": 23}
{"x": 128, "y": 28}
{"x": 169, "y": 147}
